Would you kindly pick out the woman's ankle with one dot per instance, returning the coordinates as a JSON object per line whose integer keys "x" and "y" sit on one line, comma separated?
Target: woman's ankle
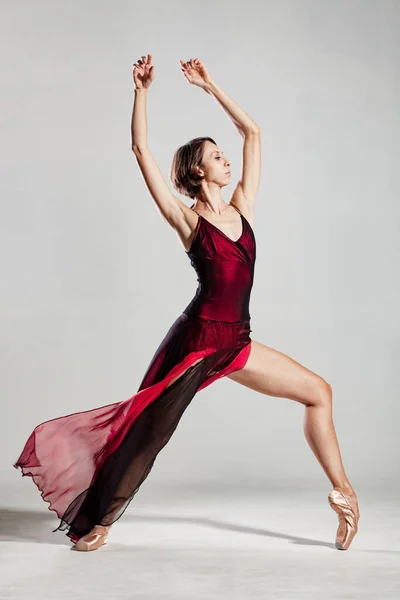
{"x": 105, "y": 527}
{"x": 345, "y": 489}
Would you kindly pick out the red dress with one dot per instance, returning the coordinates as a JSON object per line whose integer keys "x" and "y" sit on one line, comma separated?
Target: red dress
{"x": 89, "y": 465}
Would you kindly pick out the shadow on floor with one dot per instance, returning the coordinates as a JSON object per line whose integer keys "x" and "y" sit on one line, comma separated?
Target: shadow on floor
{"x": 29, "y": 526}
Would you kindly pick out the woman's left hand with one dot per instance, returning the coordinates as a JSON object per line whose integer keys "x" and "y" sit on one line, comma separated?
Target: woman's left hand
{"x": 195, "y": 72}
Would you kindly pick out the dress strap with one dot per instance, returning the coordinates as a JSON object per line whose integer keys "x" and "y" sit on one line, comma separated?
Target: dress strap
{"x": 194, "y": 210}
{"x": 235, "y": 208}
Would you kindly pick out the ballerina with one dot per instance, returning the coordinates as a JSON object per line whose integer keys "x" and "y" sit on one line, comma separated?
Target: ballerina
{"x": 89, "y": 465}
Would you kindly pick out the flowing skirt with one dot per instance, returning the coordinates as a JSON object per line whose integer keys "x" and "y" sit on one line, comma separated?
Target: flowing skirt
{"x": 88, "y": 465}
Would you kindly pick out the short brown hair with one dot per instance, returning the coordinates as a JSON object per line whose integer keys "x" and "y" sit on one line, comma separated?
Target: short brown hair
{"x": 183, "y": 173}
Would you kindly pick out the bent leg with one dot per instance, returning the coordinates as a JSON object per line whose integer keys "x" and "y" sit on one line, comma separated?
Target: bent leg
{"x": 273, "y": 373}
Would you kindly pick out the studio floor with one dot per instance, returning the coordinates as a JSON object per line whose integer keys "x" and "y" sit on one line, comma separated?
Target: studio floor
{"x": 202, "y": 541}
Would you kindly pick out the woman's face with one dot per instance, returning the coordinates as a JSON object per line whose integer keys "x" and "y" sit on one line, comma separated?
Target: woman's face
{"x": 215, "y": 166}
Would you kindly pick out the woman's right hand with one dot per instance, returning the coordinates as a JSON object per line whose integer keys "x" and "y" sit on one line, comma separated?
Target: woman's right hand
{"x": 143, "y": 72}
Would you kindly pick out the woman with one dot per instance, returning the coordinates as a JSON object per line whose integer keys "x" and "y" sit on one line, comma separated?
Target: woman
{"x": 89, "y": 465}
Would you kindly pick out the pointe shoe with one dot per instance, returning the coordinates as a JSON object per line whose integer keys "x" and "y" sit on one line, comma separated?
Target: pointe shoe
{"x": 348, "y": 519}
{"x": 94, "y": 539}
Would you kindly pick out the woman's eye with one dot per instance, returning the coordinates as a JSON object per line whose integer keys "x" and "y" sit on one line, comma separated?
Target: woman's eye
{"x": 217, "y": 157}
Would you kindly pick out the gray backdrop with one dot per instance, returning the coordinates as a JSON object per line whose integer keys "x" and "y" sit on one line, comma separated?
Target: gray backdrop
{"x": 92, "y": 277}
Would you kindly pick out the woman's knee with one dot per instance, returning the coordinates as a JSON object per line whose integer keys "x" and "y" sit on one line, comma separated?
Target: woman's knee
{"x": 322, "y": 393}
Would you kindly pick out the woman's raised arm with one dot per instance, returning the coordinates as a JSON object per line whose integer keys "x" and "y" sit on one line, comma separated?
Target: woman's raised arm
{"x": 173, "y": 210}
{"x": 246, "y": 190}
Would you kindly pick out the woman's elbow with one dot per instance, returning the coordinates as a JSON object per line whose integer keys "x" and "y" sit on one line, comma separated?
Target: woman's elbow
{"x": 138, "y": 149}
{"x": 255, "y": 128}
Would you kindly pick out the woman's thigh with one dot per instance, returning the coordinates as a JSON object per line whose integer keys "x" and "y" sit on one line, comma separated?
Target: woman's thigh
{"x": 271, "y": 372}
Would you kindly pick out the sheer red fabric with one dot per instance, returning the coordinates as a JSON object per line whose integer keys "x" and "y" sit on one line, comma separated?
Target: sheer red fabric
{"x": 89, "y": 465}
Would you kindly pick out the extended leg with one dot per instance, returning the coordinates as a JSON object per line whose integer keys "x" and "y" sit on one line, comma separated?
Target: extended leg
{"x": 124, "y": 470}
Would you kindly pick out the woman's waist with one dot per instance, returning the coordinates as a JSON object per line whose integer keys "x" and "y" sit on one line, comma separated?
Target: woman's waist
{"x": 221, "y": 312}
{"x": 203, "y": 318}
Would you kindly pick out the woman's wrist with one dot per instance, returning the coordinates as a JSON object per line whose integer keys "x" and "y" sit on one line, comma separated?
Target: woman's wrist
{"x": 143, "y": 89}
{"x": 209, "y": 87}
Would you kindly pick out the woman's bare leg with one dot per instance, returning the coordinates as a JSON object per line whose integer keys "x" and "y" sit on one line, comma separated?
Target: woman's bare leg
{"x": 271, "y": 372}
